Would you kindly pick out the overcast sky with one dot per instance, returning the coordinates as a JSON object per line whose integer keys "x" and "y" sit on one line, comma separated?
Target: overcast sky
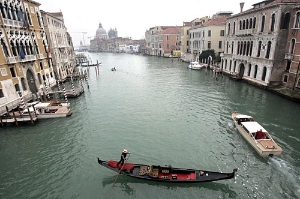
{"x": 133, "y": 17}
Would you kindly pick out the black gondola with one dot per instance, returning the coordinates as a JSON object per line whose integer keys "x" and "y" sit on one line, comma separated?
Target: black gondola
{"x": 166, "y": 173}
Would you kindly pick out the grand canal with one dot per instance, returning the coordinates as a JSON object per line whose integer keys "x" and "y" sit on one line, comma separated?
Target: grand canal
{"x": 163, "y": 113}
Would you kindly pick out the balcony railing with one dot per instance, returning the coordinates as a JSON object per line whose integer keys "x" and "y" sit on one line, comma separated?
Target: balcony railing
{"x": 11, "y": 60}
{"x": 14, "y": 23}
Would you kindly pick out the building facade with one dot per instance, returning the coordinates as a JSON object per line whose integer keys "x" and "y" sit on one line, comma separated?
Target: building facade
{"x": 291, "y": 68}
{"x": 256, "y": 40}
{"x": 60, "y": 45}
{"x": 209, "y": 34}
{"x": 25, "y": 68}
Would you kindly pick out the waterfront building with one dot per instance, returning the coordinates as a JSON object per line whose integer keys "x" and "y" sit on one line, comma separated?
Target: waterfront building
{"x": 25, "y": 64}
{"x": 185, "y": 49}
{"x": 291, "y": 68}
{"x": 60, "y": 45}
{"x": 112, "y": 33}
{"x": 152, "y": 44}
{"x": 208, "y": 34}
{"x": 256, "y": 40}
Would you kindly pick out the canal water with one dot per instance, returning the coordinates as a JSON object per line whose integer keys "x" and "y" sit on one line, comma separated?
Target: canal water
{"x": 164, "y": 114}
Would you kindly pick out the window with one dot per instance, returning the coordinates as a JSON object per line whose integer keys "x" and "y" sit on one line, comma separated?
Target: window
{"x": 288, "y": 65}
{"x": 263, "y": 23}
{"x": 220, "y": 45}
{"x": 297, "y": 20}
{"x": 292, "y": 46}
{"x": 251, "y": 47}
{"x": 285, "y": 78}
{"x": 23, "y": 84}
{"x": 263, "y": 78}
{"x": 259, "y": 48}
{"x": 4, "y": 47}
{"x": 17, "y": 87}
{"x": 222, "y": 32}
{"x": 254, "y": 22}
{"x": 250, "y": 25}
{"x": 209, "y": 33}
{"x": 209, "y": 45}
{"x": 273, "y": 22}
{"x": 234, "y": 28}
{"x": 268, "y": 49}
{"x": 249, "y": 71}
{"x": 255, "y": 71}
{"x": 12, "y": 72}
{"x": 232, "y": 46}
{"x": 285, "y": 21}
{"x": 228, "y": 33}
{"x": 1, "y": 93}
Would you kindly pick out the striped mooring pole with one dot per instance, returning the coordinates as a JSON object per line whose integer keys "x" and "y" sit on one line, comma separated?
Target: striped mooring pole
{"x": 65, "y": 94}
{"x": 81, "y": 83}
{"x": 47, "y": 92}
{"x": 22, "y": 100}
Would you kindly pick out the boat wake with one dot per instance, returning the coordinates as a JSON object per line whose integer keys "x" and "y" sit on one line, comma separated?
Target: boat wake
{"x": 291, "y": 174}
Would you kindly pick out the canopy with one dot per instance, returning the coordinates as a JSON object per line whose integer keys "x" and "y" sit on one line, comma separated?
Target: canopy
{"x": 253, "y": 127}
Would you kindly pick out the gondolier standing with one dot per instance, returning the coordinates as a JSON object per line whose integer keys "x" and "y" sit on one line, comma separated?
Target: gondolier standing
{"x": 123, "y": 157}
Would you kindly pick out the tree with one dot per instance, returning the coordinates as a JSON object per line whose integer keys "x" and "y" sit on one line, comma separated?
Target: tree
{"x": 206, "y": 53}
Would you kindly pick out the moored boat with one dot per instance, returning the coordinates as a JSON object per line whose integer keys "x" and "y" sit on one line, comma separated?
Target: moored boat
{"x": 195, "y": 65}
{"x": 166, "y": 173}
{"x": 258, "y": 137}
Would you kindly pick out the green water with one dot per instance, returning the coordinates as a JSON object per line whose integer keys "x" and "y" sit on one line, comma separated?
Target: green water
{"x": 163, "y": 113}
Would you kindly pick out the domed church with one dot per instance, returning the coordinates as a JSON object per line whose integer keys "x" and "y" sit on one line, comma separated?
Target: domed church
{"x": 101, "y": 33}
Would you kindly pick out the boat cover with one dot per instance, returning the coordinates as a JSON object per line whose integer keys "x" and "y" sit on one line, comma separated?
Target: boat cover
{"x": 253, "y": 127}
{"x": 242, "y": 116}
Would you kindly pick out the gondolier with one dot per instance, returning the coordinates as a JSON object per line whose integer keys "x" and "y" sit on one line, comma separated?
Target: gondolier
{"x": 123, "y": 157}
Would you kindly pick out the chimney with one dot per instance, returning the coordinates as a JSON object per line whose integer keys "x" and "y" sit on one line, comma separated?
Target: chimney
{"x": 242, "y": 6}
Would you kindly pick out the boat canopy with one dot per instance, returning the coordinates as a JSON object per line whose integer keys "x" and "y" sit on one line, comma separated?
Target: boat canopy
{"x": 253, "y": 127}
{"x": 42, "y": 105}
{"x": 242, "y": 116}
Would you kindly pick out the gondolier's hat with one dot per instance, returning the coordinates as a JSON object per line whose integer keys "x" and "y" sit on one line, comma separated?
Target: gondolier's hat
{"x": 124, "y": 151}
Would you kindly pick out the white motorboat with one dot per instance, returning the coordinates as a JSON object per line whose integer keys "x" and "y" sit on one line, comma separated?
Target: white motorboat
{"x": 194, "y": 65}
{"x": 258, "y": 137}
{"x": 45, "y": 110}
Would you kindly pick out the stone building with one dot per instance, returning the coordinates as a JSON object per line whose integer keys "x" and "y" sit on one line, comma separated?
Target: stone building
{"x": 25, "y": 67}
{"x": 256, "y": 40}
{"x": 208, "y": 34}
{"x": 60, "y": 44}
{"x": 158, "y": 43}
{"x": 292, "y": 57}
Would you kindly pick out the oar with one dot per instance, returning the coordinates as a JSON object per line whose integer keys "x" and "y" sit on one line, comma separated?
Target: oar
{"x": 120, "y": 170}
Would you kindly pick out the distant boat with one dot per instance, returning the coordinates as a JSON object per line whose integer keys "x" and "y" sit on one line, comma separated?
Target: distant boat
{"x": 195, "y": 65}
{"x": 87, "y": 65}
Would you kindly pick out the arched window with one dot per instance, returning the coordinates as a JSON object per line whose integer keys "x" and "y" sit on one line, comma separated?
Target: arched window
{"x": 7, "y": 8}
{"x": 247, "y": 24}
{"x": 245, "y": 47}
{"x": 285, "y": 21}
{"x": 250, "y": 24}
{"x": 249, "y": 71}
{"x": 13, "y": 47}
{"x": 263, "y": 23}
{"x": 251, "y": 47}
{"x": 13, "y": 12}
{"x": 292, "y": 46}
{"x": 28, "y": 17}
{"x": 241, "y": 25}
{"x": 38, "y": 18}
{"x": 255, "y": 71}
{"x": 238, "y": 49}
{"x": 2, "y": 10}
{"x": 4, "y": 48}
{"x": 233, "y": 27}
{"x": 259, "y": 48}
{"x": 17, "y": 87}
{"x": 36, "y": 48}
{"x": 23, "y": 84}
{"x": 230, "y": 63}
{"x": 234, "y": 66}
{"x": 232, "y": 47}
{"x": 268, "y": 49}
{"x": 244, "y": 24}
{"x": 254, "y": 22}
{"x": 228, "y": 33}
{"x": 263, "y": 78}
{"x": 225, "y": 63}
{"x": 272, "y": 22}
{"x": 242, "y": 47}
{"x": 297, "y": 20}
{"x": 248, "y": 48}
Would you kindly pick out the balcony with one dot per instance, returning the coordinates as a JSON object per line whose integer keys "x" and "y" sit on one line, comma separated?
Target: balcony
{"x": 11, "y": 60}
{"x": 13, "y": 23}
{"x": 288, "y": 56}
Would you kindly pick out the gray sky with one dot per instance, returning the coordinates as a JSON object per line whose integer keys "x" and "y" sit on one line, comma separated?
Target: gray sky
{"x": 133, "y": 17}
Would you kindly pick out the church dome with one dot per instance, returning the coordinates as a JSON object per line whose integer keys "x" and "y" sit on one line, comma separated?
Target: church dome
{"x": 101, "y": 33}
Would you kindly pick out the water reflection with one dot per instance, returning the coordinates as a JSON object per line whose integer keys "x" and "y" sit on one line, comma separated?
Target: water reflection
{"x": 126, "y": 184}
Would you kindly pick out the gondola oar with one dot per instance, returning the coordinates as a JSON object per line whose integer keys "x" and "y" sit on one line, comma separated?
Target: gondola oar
{"x": 120, "y": 170}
